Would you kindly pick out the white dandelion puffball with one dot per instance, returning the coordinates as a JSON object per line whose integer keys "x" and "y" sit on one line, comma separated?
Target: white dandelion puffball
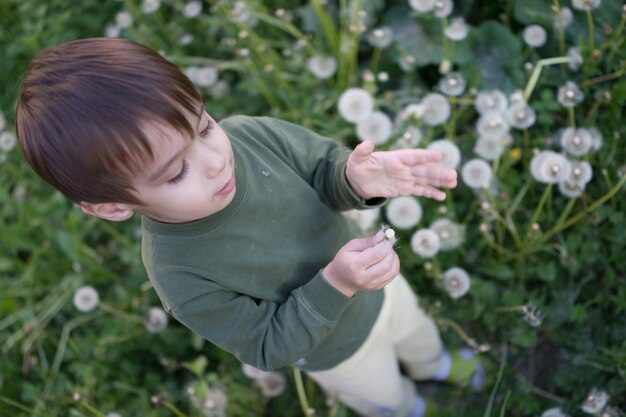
{"x": 209, "y": 400}
{"x": 487, "y": 101}
{"x": 204, "y": 76}
{"x": 549, "y": 167}
{"x": 450, "y": 233}
{"x": 456, "y": 282}
{"x": 452, "y": 84}
{"x": 366, "y": 219}
{"x": 490, "y": 148}
{"x": 156, "y": 320}
{"x": 576, "y": 142}
{"x": 123, "y": 20}
{"x": 554, "y": 412}
{"x": 436, "y": 109}
{"x": 113, "y": 415}
{"x": 570, "y": 188}
{"x": 586, "y": 5}
{"x": 576, "y": 58}
{"x": 457, "y": 29}
{"x": 422, "y": 6}
{"x": 241, "y": 13}
{"x": 355, "y": 104}
{"x": 580, "y": 173}
{"x": 443, "y": 8}
{"x": 381, "y": 37}
{"x": 425, "y": 243}
{"x": 112, "y": 31}
{"x": 596, "y": 136}
{"x": 404, "y": 212}
{"x": 272, "y": 384}
{"x": 492, "y": 123}
{"x": 476, "y": 173}
{"x": 521, "y": 116}
{"x": 451, "y": 152}
{"x": 376, "y": 127}
{"x": 595, "y": 401}
{"x": 192, "y": 9}
{"x": 86, "y": 298}
{"x": 535, "y": 36}
{"x": 414, "y": 112}
{"x": 250, "y": 371}
{"x": 322, "y": 66}
{"x": 564, "y": 18}
{"x": 150, "y": 6}
{"x": 410, "y": 139}
{"x": 569, "y": 95}
{"x": 7, "y": 141}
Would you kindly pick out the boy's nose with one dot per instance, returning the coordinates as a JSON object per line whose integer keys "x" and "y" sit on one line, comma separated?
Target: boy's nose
{"x": 213, "y": 162}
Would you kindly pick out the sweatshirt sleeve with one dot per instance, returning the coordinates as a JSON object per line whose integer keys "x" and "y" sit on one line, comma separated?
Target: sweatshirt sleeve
{"x": 319, "y": 160}
{"x": 268, "y": 335}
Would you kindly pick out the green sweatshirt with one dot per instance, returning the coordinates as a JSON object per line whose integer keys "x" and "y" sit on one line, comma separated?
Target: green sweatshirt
{"x": 248, "y": 278}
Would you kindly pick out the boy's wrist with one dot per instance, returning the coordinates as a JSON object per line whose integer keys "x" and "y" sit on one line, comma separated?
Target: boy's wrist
{"x": 340, "y": 286}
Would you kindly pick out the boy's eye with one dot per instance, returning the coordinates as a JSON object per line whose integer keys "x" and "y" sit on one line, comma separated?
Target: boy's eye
{"x": 181, "y": 175}
{"x": 208, "y": 127}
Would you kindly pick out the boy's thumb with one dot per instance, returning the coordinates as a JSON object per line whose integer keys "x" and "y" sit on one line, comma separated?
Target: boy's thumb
{"x": 363, "y": 151}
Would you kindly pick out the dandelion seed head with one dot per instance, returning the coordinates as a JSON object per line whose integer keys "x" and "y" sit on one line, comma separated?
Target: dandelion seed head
{"x": 150, "y": 6}
{"x": 425, "y": 243}
{"x": 457, "y": 29}
{"x": 192, "y": 9}
{"x": 86, "y": 298}
{"x": 570, "y": 189}
{"x": 532, "y": 315}
{"x": 241, "y": 13}
{"x": 443, "y": 8}
{"x": 156, "y": 320}
{"x": 403, "y": 212}
{"x": 554, "y": 412}
{"x": 476, "y": 173}
{"x": 123, "y": 19}
{"x": 365, "y": 218}
{"x": 586, "y": 5}
{"x": 451, "y": 152}
{"x": 272, "y": 384}
{"x": 113, "y": 415}
{"x": 381, "y": 37}
{"x": 596, "y": 138}
{"x": 422, "y": 6}
{"x": 452, "y": 84}
{"x": 577, "y": 58}
{"x": 112, "y": 31}
{"x": 580, "y": 172}
{"x": 491, "y": 148}
{"x": 456, "y": 282}
{"x": 564, "y": 18}
{"x": 596, "y": 400}
{"x": 535, "y": 36}
{"x": 451, "y": 234}
{"x": 355, "y": 104}
{"x": 492, "y": 124}
{"x": 376, "y": 127}
{"x": 569, "y": 95}
{"x": 436, "y": 109}
{"x": 409, "y": 139}
{"x": 521, "y": 116}
{"x": 7, "y": 141}
{"x": 322, "y": 66}
{"x": 576, "y": 142}
{"x": 493, "y": 100}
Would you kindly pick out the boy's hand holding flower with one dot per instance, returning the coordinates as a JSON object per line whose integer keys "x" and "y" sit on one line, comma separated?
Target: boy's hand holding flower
{"x": 401, "y": 172}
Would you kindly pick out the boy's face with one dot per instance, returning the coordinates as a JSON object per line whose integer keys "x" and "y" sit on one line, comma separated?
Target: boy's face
{"x": 190, "y": 179}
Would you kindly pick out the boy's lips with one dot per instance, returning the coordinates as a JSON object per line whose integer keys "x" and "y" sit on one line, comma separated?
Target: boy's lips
{"x": 228, "y": 187}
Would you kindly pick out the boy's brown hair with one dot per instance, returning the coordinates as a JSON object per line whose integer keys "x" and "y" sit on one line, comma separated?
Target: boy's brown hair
{"x": 81, "y": 108}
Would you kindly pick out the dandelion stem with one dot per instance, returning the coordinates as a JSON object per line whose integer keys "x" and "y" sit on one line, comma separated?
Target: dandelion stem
{"x": 304, "y": 403}
{"x": 542, "y": 202}
{"x": 534, "y": 77}
{"x": 591, "y": 30}
{"x": 327, "y": 26}
{"x": 92, "y": 409}
{"x": 173, "y": 408}
{"x": 566, "y": 211}
{"x": 444, "y": 39}
{"x": 526, "y": 146}
{"x": 581, "y": 215}
{"x": 603, "y": 78}
{"x": 572, "y": 118}
{"x": 375, "y": 59}
{"x": 557, "y": 7}
{"x": 459, "y": 330}
{"x": 121, "y": 314}
{"x": 609, "y": 183}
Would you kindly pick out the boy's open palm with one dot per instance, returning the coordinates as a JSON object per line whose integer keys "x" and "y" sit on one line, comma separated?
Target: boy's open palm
{"x": 363, "y": 264}
{"x": 401, "y": 172}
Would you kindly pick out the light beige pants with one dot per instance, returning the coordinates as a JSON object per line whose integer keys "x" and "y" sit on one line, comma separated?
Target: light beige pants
{"x": 370, "y": 382}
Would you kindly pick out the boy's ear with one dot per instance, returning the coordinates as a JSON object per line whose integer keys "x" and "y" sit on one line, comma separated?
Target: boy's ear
{"x": 115, "y": 212}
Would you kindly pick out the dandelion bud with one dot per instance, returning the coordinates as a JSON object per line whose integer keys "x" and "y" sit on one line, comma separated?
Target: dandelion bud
{"x": 383, "y": 76}
{"x": 485, "y": 206}
{"x": 280, "y": 13}
{"x": 535, "y": 227}
{"x": 76, "y": 396}
{"x": 155, "y": 399}
{"x": 243, "y": 52}
{"x": 528, "y": 66}
{"x": 442, "y": 210}
{"x": 608, "y": 30}
{"x": 243, "y": 34}
{"x": 483, "y": 227}
{"x": 445, "y": 66}
{"x": 484, "y": 348}
{"x": 596, "y": 53}
{"x": 428, "y": 266}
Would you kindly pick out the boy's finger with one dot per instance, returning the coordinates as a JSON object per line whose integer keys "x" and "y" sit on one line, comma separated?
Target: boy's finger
{"x": 359, "y": 245}
{"x": 374, "y": 254}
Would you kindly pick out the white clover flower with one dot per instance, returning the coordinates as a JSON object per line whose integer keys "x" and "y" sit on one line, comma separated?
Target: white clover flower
{"x": 422, "y": 6}
{"x": 413, "y": 111}
{"x": 451, "y": 152}
{"x": 123, "y": 20}
{"x": 192, "y": 9}
{"x": 381, "y": 37}
{"x": 491, "y": 148}
{"x": 452, "y": 84}
{"x": 570, "y": 188}
{"x": 322, "y": 66}
{"x": 376, "y": 127}
{"x": 456, "y": 282}
{"x": 365, "y": 218}
{"x": 409, "y": 139}
{"x": 476, "y": 173}
{"x": 492, "y": 124}
{"x": 403, "y": 212}
{"x": 487, "y": 101}
{"x": 272, "y": 384}
{"x": 250, "y": 371}
{"x": 425, "y": 243}
{"x": 535, "y": 36}
{"x": 457, "y": 29}
{"x": 577, "y": 59}
{"x": 580, "y": 173}
{"x": 566, "y": 17}
{"x": 450, "y": 233}
{"x": 150, "y": 6}
{"x": 7, "y": 141}
{"x": 156, "y": 320}
{"x": 436, "y": 109}
{"x": 586, "y": 5}
{"x": 569, "y": 95}
{"x": 443, "y": 8}
{"x": 554, "y": 412}
{"x": 576, "y": 142}
{"x": 86, "y": 298}
{"x": 521, "y": 116}
{"x": 355, "y": 104}
{"x": 596, "y": 136}
{"x": 112, "y": 31}
{"x": 595, "y": 401}
{"x": 549, "y": 167}
{"x": 532, "y": 315}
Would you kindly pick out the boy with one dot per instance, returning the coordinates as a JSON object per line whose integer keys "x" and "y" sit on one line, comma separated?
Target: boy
{"x": 243, "y": 239}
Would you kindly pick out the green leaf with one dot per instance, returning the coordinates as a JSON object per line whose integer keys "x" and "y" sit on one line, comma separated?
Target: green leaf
{"x": 496, "y": 269}
{"x": 534, "y": 12}
{"x": 547, "y": 272}
{"x": 197, "y": 366}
